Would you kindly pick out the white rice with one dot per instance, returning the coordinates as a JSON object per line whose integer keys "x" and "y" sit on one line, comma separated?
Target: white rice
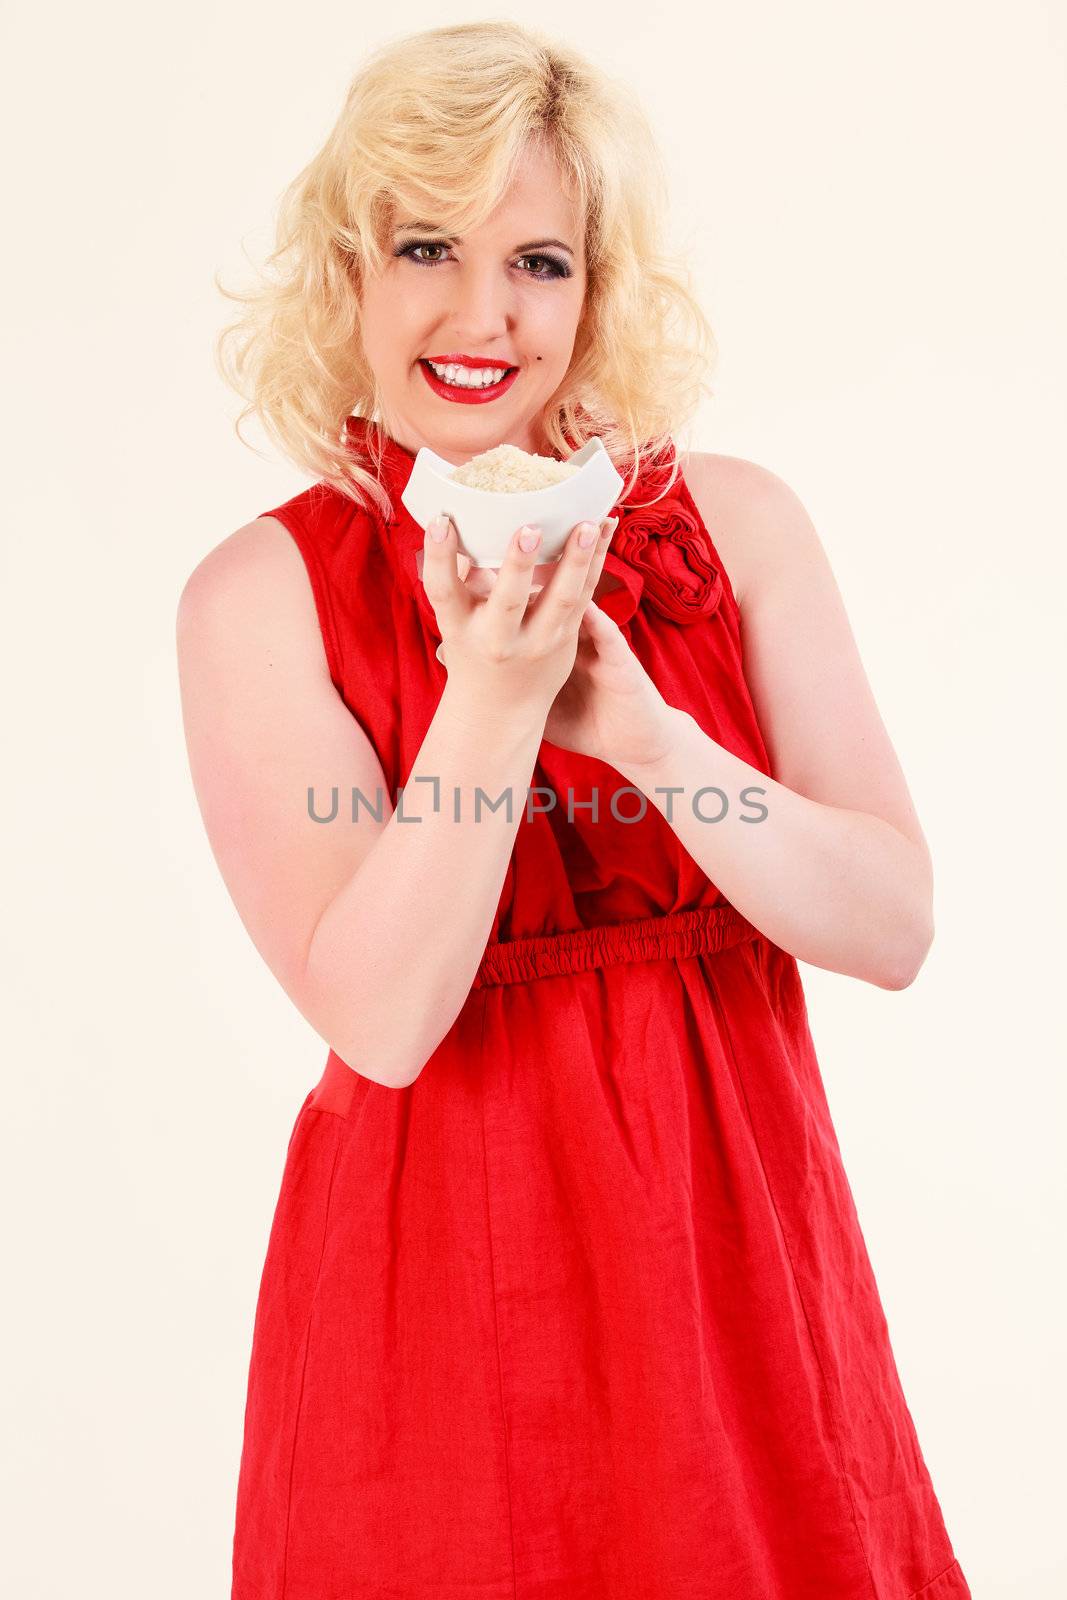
{"x": 509, "y": 470}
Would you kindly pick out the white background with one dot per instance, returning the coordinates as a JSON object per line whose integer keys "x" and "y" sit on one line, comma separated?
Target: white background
{"x": 869, "y": 196}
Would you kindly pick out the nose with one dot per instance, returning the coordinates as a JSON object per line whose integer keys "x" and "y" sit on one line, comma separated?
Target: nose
{"x": 483, "y": 299}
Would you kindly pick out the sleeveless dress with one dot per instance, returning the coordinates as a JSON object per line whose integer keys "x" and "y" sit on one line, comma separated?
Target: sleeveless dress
{"x": 585, "y": 1312}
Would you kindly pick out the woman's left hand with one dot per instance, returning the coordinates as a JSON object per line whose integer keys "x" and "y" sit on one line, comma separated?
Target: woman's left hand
{"x": 609, "y": 707}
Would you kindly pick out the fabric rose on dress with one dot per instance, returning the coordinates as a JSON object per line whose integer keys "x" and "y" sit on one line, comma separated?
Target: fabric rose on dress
{"x": 665, "y": 542}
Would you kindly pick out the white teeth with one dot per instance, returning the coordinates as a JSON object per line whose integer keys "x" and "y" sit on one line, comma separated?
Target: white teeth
{"x": 469, "y": 377}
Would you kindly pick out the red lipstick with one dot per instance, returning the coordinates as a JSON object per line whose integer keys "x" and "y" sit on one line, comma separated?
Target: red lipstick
{"x": 463, "y": 396}
{"x": 469, "y": 361}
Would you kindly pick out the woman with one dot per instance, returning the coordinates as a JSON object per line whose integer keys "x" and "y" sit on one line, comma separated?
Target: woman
{"x": 565, "y": 1293}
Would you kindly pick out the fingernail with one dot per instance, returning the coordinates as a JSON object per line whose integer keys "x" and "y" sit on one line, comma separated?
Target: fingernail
{"x": 609, "y": 525}
{"x": 438, "y": 529}
{"x": 529, "y": 538}
{"x": 587, "y": 534}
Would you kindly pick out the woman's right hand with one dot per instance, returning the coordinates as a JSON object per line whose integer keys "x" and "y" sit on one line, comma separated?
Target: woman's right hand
{"x": 508, "y": 655}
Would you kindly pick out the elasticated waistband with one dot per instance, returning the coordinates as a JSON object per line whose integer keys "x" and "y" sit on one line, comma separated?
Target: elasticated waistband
{"x": 703, "y": 930}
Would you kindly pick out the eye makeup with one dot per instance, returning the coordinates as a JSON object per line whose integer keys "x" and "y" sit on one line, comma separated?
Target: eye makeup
{"x": 556, "y": 266}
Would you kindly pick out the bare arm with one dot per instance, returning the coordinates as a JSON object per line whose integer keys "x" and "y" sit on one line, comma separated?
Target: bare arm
{"x": 375, "y": 929}
{"x": 839, "y": 888}
{"x": 395, "y": 951}
{"x": 838, "y": 873}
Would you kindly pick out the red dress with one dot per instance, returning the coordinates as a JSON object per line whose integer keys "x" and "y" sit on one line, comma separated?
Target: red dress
{"x": 585, "y": 1312}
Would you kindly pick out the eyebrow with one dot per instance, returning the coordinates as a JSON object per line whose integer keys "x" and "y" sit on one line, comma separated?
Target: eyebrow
{"x": 454, "y": 238}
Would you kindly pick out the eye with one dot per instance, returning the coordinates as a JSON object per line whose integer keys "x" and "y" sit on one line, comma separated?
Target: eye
{"x": 552, "y": 267}
{"x": 557, "y": 268}
{"x": 421, "y": 244}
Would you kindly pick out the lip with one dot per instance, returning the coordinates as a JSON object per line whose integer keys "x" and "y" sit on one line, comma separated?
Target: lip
{"x": 466, "y": 397}
{"x": 469, "y": 361}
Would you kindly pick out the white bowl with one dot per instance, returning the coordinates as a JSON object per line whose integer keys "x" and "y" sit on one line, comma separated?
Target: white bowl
{"x": 487, "y": 521}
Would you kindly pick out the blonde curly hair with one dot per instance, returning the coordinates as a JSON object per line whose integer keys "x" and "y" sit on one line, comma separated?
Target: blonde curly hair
{"x": 447, "y": 113}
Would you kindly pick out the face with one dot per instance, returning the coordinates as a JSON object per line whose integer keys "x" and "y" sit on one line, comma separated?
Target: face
{"x": 510, "y": 294}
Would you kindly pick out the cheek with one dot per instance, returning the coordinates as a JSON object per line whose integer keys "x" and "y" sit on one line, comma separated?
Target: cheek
{"x": 552, "y": 329}
{"x": 389, "y": 324}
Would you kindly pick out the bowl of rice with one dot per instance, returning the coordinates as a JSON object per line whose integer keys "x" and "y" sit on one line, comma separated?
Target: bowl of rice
{"x": 491, "y": 496}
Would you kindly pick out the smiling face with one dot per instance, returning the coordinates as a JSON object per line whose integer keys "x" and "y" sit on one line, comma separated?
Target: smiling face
{"x": 510, "y": 293}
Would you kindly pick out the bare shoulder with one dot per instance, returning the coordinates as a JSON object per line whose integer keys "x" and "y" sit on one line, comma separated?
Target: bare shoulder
{"x": 757, "y": 522}
{"x": 261, "y": 553}
{"x": 250, "y": 598}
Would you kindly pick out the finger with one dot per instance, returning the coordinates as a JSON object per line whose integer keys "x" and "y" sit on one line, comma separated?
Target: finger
{"x": 444, "y": 587}
{"x": 479, "y": 580}
{"x": 575, "y": 577}
{"x": 598, "y": 623}
{"x": 596, "y": 566}
{"x": 601, "y": 630}
{"x": 592, "y": 578}
{"x": 510, "y": 594}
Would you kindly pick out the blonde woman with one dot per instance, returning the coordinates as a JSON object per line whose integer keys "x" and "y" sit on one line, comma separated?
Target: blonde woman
{"x": 565, "y": 1294}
